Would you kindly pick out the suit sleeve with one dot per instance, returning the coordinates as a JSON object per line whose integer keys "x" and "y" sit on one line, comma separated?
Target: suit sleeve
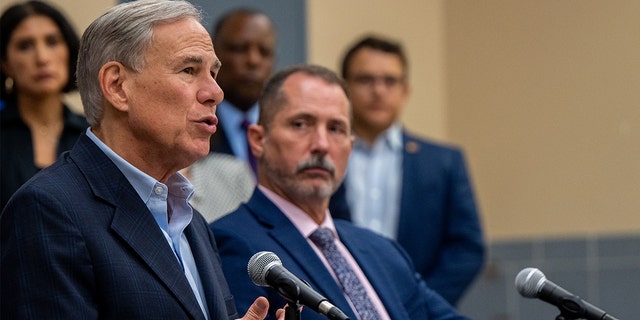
{"x": 46, "y": 271}
{"x": 235, "y": 254}
{"x": 462, "y": 253}
{"x": 430, "y": 302}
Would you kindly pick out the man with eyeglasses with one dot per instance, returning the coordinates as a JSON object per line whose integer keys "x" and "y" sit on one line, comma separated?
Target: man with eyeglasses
{"x": 403, "y": 186}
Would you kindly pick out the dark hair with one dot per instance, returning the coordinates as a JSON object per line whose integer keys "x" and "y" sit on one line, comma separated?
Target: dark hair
{"x": 225, "y": 18}
{"x": 273, "y": 98}
{"x": 17, "y": 13}
{"x": 375, "y": 43}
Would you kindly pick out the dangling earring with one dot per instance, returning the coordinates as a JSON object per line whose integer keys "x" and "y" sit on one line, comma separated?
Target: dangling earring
{"x": 8, "y": 84}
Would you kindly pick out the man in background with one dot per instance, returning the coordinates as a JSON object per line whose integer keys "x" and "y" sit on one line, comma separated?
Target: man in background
{"x": 402, "y": 186}
{"x": 245, "y": 42}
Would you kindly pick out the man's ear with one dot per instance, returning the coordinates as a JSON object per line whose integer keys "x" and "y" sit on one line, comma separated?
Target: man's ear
{"x": 112, "y": 76}
{"x": 255, "y": 136}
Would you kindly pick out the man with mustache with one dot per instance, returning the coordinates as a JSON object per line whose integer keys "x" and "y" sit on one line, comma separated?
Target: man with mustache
{"x": 302, "y": 143}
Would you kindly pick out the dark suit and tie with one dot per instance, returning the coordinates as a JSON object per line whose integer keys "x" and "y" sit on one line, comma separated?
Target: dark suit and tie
{"x": 260, "y": 226}
{"x": 302, "y": 143}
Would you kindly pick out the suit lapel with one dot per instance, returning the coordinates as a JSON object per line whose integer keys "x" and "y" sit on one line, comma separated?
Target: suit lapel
{"x": 297, "y": 247}
{"x": 413, "y": 165}
{"x": 211, "y": 274}
{"x": 139, "y": 230}
{"x": 133, "y": 222}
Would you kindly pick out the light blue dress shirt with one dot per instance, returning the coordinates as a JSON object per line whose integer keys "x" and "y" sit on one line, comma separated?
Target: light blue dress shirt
{"x": 164, "y": 201}
{"x": 374, "y": 181}
{"x": 232, "y": 127}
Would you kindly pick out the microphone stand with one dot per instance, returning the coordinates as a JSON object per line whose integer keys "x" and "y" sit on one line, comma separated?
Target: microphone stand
{"x": 559, "y": 317}
{"x": 568, "y": 309}
{"x": 290, "y": 291}
{"x": 292, "y": 311}
{"x": 572, "y": 308}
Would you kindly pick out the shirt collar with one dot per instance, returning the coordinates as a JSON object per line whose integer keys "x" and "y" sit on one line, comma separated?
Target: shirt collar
{"x": 143, "y": 183}
{"x": 391, "y": 139}
{"x": 231, "y": 114}
{"x": 299, "y": 218}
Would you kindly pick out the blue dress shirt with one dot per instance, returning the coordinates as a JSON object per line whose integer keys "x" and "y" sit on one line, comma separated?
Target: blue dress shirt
{"x": 171, "y": 210}
{"x": 373, "y": 182}
{"x": 232, "y": 127}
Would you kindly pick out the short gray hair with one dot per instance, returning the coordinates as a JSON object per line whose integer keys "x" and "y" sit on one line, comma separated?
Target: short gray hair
{"x": 122, "y": 34}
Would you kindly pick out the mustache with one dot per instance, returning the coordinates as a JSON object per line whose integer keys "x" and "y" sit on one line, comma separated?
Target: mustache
{"x": 317, "y": 161}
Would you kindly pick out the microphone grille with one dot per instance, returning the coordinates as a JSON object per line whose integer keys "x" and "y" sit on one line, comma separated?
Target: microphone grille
{"x": 528, "y": 282}
{"x": 259, "y": 265}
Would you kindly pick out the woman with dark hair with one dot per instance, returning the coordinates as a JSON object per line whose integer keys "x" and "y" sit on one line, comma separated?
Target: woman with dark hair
{"x": 38, "y": 54}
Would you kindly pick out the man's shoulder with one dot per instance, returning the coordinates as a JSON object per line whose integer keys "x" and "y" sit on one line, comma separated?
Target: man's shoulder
{"x": 430, "y": 144}
{"x": 56, "y": 176}
{"x": 347, "y": 229}
{"x": 238, "y": 218}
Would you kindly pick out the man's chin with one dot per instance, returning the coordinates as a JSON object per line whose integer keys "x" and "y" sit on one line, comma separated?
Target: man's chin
{"x": 318, "y": 191}
{"x": 196, "y": 154}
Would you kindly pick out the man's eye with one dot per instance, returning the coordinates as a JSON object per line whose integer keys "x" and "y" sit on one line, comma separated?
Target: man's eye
{"x": 338, "y": 129}
{"x": 188, "y": 70}
{"x": 237, "y": 48}
{"x": 266, "y": 52}
{"x": 299, "y": 123}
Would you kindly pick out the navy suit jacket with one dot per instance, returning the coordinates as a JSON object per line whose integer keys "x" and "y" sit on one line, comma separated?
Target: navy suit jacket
{"x": 77, "y": 242}
{"x": 259, "y": 225}
{"x": 439, "y": 226}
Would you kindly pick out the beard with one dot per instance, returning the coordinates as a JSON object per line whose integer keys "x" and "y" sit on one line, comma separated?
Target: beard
{"x": 298, "y": 187}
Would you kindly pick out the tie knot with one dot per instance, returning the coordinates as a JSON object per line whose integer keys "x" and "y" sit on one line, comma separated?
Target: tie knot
{"x": 322, "y": 237}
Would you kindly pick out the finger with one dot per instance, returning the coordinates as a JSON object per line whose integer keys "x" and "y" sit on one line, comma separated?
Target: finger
{"x": 258, "y": 310}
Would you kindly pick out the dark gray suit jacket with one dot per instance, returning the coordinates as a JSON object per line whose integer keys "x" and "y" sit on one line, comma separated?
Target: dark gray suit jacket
{"x": 77, "y": 242}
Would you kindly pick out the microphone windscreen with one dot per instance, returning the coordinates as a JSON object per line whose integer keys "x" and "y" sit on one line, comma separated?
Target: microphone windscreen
{"x": 259, "y": 265}
{"x": 528, "y": 282}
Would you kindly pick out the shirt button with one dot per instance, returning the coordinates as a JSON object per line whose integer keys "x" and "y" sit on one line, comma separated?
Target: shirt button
{"x": 158, "y": 190}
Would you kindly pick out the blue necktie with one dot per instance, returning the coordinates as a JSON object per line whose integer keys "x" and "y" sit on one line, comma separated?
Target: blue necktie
{"x": 323, "y": 238}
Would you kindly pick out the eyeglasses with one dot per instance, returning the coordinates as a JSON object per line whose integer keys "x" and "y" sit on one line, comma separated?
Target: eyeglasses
{"x": 366, "y": 80}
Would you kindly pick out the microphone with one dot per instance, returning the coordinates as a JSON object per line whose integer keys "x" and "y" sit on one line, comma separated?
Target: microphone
{"x": 266, "y": 270}
{"x": 531, "y": 283}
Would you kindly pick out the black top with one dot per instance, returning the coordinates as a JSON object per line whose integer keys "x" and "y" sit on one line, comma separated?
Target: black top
{"x": 16, "y": 147}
